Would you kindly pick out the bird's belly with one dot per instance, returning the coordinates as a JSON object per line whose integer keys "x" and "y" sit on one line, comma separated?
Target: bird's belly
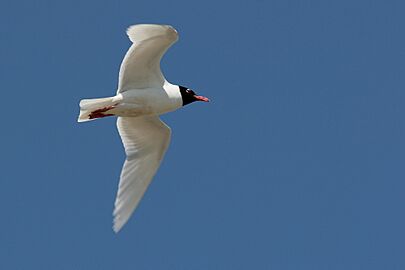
{"x": 135, "y": 110}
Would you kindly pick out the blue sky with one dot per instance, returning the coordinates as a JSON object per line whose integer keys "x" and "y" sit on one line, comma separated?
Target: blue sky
{"x": 298, "y": 163}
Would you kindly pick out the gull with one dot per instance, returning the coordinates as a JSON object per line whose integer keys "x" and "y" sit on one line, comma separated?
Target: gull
{"x": 143, "y": 94}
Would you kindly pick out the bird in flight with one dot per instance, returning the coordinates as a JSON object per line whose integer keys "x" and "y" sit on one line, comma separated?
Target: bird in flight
{"x": 143, "y": 94}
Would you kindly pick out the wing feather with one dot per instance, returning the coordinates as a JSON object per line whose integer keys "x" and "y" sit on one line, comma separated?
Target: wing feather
{"x": 141, "y": 65}
{"x": 145, "y": 141}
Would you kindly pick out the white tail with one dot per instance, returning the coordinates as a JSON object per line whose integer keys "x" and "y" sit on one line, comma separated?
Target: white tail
{"x": 87, "y": 106}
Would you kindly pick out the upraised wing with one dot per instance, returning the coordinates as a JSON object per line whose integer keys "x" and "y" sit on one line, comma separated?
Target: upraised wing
{"x": 141, "y": 65}
{"x": 145, "y": 141}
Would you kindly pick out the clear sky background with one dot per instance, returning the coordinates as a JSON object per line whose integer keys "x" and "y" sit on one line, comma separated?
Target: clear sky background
{"x": 297, "y": 163}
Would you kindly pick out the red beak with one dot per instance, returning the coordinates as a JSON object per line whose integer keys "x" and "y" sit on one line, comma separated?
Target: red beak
{"x": 201, "y": 98}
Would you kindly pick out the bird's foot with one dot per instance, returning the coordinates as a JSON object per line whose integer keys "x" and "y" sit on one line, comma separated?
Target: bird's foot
{"x": 100, "y": 113}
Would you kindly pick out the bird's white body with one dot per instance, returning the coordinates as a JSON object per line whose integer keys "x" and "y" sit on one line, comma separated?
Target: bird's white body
{"x": 149, "y": 100}
{"x": 136, "y": 102}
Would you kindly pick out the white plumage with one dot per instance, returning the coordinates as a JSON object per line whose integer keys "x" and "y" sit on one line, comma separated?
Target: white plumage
{"x": 141, "y": 65}
{"x": 145, "y": 140}
{"x": 143, "y": 94}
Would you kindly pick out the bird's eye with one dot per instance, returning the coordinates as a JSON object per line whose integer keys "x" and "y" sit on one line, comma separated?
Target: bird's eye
{"x": 190, "y": 92}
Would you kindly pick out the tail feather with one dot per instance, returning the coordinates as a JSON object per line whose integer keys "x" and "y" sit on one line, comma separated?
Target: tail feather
{"x": 84, "y": 116}
{"x": 87, "y": 106}
{"x": 95, "y": 103}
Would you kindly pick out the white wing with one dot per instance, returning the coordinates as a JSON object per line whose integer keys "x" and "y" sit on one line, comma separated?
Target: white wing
{"x": 145, "y": 140}
{"x": 141, "y": 65}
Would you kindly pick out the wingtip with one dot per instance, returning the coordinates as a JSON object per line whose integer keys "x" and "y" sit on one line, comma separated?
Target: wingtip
{"x": 139, "y": 32}
{"x": 115, "y": 229}
{"x": 118, "y": 222}
{"x": 117, "y": 226}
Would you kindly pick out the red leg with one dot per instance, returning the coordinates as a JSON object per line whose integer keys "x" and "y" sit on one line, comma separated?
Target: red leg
{"x": 100, "y": 113}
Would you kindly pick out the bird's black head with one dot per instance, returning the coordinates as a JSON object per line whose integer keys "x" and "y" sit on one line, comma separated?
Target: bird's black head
{"x": 189, "y": 96}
